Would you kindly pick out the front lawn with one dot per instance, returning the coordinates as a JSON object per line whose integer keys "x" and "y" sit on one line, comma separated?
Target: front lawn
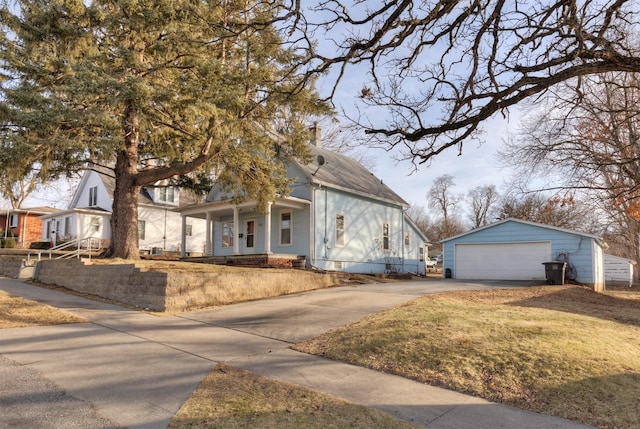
{"x": 16, "y": 312}
{"x": 565, "y": 350}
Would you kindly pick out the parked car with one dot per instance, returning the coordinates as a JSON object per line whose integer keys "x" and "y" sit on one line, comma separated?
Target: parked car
{"x": 430, "y": 263}
{"x": 438, "y": 258}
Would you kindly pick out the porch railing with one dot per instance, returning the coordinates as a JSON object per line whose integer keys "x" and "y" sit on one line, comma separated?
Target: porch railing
{"x": 68, "y": 250}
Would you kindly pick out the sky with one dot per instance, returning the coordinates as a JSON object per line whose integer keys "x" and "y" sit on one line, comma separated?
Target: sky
{"x": 477, "y": 166}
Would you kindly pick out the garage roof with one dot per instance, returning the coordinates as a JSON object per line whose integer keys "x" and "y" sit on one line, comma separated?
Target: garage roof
{"x": 597, "y": 239}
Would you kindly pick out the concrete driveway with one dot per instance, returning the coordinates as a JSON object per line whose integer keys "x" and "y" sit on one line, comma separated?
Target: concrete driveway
{"x": 129, "y": 369}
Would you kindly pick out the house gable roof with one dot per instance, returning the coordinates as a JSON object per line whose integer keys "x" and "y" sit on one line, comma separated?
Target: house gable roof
{"x": 344, "y": 173}
{"x": 598, "y": 240}
{"x": 107, "y": 176}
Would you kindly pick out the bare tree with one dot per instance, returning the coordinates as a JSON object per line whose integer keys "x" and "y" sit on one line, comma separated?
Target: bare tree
{"x": 592, "y": 146}
{"x": 561, "y": 211}
{"x": 481, "y": 200}
{"x": 440, "y": 68}
{"x": 419, "y": 216}
{"x": 444, "y": 202}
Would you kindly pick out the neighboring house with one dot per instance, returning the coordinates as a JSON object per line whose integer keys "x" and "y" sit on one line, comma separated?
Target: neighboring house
{"x": 514, "y": 249}
{"x": 618, "y": 270}
{"x": 159, "y": 227}
{"x": 339, "y": 216}
{"x": 24, "y": 224}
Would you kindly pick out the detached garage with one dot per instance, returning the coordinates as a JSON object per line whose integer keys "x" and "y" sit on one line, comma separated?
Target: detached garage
{"x": 514, "y": 249}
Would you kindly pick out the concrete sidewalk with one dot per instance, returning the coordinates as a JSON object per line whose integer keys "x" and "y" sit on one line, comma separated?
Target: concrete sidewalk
{"x": 129, "y": 369}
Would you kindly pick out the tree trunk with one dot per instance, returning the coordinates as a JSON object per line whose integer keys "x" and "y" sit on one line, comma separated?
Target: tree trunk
{"x": 124, "y": 214}
{"x": 124, "y": 217}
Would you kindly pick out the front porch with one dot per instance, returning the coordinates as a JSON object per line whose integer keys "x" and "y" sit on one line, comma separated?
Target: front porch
{"x": 241, "y": 234}
{"x": 261, "y": 260}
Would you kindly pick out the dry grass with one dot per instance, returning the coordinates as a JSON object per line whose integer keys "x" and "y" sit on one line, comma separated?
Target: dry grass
{"x": 16, "y": 312}
{"x": 565, "y": 351}
{"x": 230, "y": 398}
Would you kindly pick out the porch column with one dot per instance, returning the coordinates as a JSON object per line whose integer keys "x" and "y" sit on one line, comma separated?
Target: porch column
{"x": 207, "y": 243}
{"x": 236, "y": 230}
{"x": 267, "y": 229}
{"x": 183, "y": 248}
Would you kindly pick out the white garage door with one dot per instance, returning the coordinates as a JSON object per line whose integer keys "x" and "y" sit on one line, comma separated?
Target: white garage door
{"x": 502, "y": 261}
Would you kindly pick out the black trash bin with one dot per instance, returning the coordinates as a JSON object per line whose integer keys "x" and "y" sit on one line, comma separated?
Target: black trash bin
{"x": 555, "y": 272}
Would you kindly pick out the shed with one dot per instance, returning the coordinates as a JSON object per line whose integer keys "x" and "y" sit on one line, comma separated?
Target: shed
{"x": 514, "y": 249}
{"x": 618, "y": 270}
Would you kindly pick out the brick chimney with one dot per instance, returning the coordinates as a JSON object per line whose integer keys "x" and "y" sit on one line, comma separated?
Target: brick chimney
{"x": 316, "y": 137}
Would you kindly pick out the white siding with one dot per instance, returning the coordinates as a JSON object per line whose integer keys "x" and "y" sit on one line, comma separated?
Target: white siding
{"x": 104, "y": 199}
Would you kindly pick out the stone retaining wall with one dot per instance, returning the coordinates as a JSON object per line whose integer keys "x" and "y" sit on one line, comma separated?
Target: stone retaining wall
{"x": 10, "y": 267}
{"x": 175, "y": 290}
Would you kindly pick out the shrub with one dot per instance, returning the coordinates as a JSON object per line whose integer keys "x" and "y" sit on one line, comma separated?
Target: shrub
{"x": 10, "y": 243}
{"x": 40, "y": 245}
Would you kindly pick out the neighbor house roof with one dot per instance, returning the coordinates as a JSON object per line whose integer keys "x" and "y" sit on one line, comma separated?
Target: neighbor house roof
{"x": 599, "y": 240}
{"x": 41, "y": 210}
{"x": 107, "y": 176}
{"x": 344, "y": 173}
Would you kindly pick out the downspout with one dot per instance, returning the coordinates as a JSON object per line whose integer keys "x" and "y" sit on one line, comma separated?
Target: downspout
{"x": 164, "y": 236}
{"x": 402, "y": 244}
{"x": 6, "y": 224}
{"x": 312, "y": 228}
{"x": 326, "y": 239}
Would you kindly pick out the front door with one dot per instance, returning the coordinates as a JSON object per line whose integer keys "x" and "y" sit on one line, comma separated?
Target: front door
{"x": 250, "y": 235}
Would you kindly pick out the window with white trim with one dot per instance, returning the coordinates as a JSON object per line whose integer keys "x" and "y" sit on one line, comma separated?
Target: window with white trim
{"x": 406, "y": 239}
{"x": 95, "y": 224}
{"x": 13, "y": 221}
{"x": 166, "y": 194}
{"x": 67, "y": 226}
{"x": 188, "y": 230}
{"x": 141, "y": 229}
{"x": 227, "y": 234}
{"x": 286, "y": 221}
{"x": 93, "y": 196}
{"x": 385, "y": 236}
{"x": 339, "y": 230}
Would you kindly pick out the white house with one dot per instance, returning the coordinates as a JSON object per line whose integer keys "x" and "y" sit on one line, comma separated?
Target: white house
{"x": 159, "y": 226}
{"x": 338, "y": 216}
{"x": 514, "y": 249}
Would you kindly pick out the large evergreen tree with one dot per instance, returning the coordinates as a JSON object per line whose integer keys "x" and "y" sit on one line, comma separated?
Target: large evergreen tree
{"x": 154, "y": 88}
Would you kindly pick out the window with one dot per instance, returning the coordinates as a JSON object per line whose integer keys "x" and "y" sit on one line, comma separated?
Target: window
{"x": 406, "y": 239}
{"x": 93, "y": 196}
{"x": 13, "y": 221}
{"x": 421, "y": 253}
{"x": 227, "y": 234}
{"x": 339, "y": 230}
{"x": 166, "y": 194}
{"x": 251, "y": 233}
{"x": 95, "y": 224}
{"x": 141, "y": 229}
{"x": 188, "y": 230}
{"x": 385, "y": 236}
{"x": 285, "y": 228}
{"x": 67, "y": 226}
